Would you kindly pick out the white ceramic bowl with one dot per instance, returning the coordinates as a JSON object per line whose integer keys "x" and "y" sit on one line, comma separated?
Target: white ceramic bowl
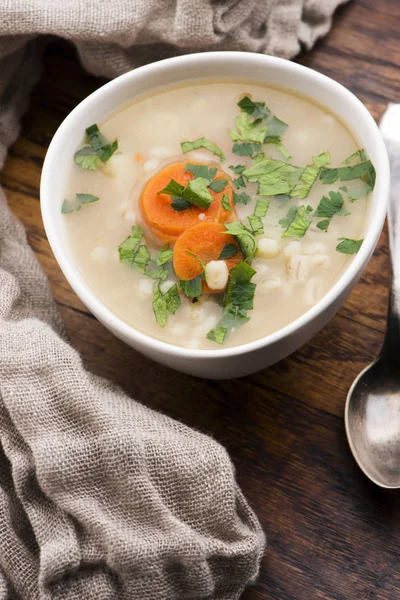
{"x": 248, "y": 358}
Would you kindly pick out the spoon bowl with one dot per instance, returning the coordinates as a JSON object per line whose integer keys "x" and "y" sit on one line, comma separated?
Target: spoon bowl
{"x": 372, "y": 420}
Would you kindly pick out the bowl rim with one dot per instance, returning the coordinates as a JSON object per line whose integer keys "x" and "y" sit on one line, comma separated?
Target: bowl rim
{"x": 125, "y": 331}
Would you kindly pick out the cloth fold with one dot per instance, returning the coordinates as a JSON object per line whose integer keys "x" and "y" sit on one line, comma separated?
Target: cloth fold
{"x": 100, "y": 497}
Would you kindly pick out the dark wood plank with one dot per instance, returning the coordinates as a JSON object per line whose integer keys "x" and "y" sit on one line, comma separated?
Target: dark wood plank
{"x": 331, "y": 534}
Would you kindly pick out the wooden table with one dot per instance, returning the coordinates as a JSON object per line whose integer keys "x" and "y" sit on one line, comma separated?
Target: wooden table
{"x": 331, "y": 534}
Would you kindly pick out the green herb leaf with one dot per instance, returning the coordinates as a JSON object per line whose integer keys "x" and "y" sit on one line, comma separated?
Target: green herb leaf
{"x": 239, "y": 182}
{"x": 285, "y": 222}
{"x": 192, "y": 287}
{"x": 141, "y": 258}
{"x": 245, "y": 149}
{"x": 238, "y": 169}
{"x": 310, "y": 175}
{"x": 241, "y": 198}
{"x": 348, "y": 246}
{"x": 259, "y": 213}
{"x": 172, "y": 299}
{"x": 238, "y": 300}
{"x": 274, "y": 177}
{"x": 364, "y": 171}
{"x": 158, "y": 273}
{"x": 86, "y": 198}
{"x": 159, "y": 307}
{"x": 248, "y": 130}
{"x": 202, "y": 143}
{"x": 100, "y": 144}
{"x": 359, "y": 189}
{"x": 195, "y": 192}
{"x": 201, "y": 171}
{"x": 358, "y": 156}
{"x": 217, "y": 334}
{"x": 165, "y": 303}
{"x": 218, "y": 185}
{"x": 179, "y": 204}
{"x": 86, "y": 158}
{"x": 300, "y": 222}
{"x": 245, "y": 239}
{"x": 128, "y": 247}
{"x": 324, "y": 224}
{"x": 163, "y": 256}
{"x": 329, "y": 207}
{"x": 225, "y": 202}
{"x": 201, "y": 263}
{"x": 258, "y": 110}
{"x": 228, "y": 251}
{"x": 67, "y": 207}
{"x": 256, "y": 224}
{"x": 275, "y": 129}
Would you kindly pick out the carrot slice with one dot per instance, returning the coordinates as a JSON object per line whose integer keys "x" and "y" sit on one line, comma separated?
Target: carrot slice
{"x": 206, "y": 241}
{"x": 167, "y": 223}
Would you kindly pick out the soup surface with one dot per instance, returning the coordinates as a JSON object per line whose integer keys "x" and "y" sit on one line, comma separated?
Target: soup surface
{"x": 248, "y": 237}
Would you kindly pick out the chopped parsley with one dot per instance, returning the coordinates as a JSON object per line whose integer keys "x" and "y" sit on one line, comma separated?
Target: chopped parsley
{"x": 202, "y": 143}
{"x": 163, "y": 256}
{"x": 246, "y": 149}
{"x": 257, "y": 110}
{"x": 226, "y": 203}
{"x": 274, "y": 177}
{"x": 241, "y": 198}
{"x": 100, "y": 144}
{"x": 297, "y": 221}
{"x": 364, "y": 170}
{"x": 245, "y": 239}
{"x": 69, "y": 207}
{"x": 260, "y": 210}
{"x": 218, "y": 185}
{"x": 265, "y": 120}
{"x": 358, "y": 189}
{"x": 348, "y": 246}
{"x": 310, "y": 175}
{"x": 157, "y": 273}
{"x": 238, "y": 300}
{"x": 100, "y": 149}
{"x": 228, "y": 251}
{"x": 195, "y": 192}
{"x": 248, "y": 130}
{"x": 239, "y": 182}
{"x": 238, "y": 170}
{"x": 358, "y": 156}
{"x": 201, "y": 171}
{"x": 87, "y": 159}
{"x": 131, "y": 252}
{"x": 86, "y": 198}
{"x": 192, "y": 287}
{"x": 328, "y": 208}
{"x": 165, "y": 303}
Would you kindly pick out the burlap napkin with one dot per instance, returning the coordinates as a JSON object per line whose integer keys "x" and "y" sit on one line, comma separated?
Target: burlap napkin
{"x": 100, "y": 497}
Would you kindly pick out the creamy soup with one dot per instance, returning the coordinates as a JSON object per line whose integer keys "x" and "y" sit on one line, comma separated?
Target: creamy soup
{"x": 214, "y": 214}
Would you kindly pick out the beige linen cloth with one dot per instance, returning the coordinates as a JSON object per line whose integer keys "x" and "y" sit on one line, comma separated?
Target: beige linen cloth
{"x": 100, "y": 497}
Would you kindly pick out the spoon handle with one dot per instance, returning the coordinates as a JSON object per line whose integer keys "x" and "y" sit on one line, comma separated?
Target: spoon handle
{"x": 392, "y": 337}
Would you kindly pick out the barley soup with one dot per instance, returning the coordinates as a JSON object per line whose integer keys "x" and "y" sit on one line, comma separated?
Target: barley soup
{"x": 214, "y": 214}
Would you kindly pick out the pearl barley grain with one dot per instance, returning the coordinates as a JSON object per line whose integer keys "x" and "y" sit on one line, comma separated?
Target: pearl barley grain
{"x": 268, "y": 248}
{"x": 151, "y": 165}
{"x": 217, "y": 274}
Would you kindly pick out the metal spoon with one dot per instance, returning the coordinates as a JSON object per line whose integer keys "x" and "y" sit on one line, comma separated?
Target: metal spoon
{"x": 372, "y": 413}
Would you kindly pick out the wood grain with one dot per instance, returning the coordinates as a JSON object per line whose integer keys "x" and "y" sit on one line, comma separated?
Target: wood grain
{"x": 331, "y": 534}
